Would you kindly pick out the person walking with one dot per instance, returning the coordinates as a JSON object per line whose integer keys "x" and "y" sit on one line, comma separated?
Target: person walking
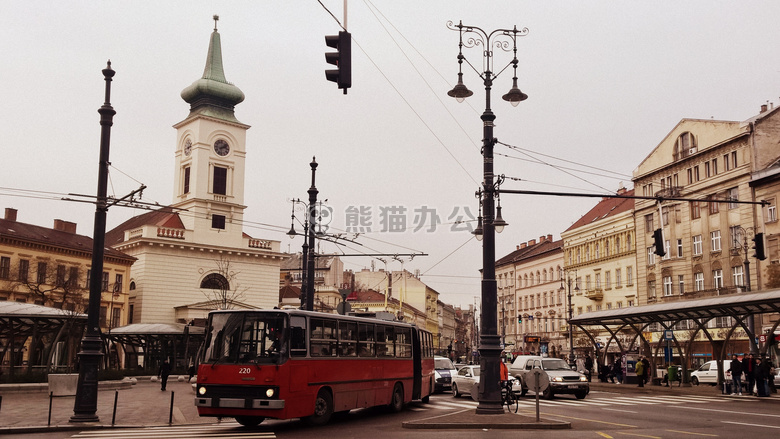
{"x": 588, "y": 363}
{"x": 163, "y": 373}
{"x": 736, "y": 375}
{"x": 761, "y": 376}
{"x": 749, "y": 369}
{"x": 617, "y": 370}
{"x": 647, "y": 370}
{"x": 640, "y": 372}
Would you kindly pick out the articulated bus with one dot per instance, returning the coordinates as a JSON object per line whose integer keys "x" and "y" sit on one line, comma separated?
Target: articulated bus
{"x": 285, "y": 364}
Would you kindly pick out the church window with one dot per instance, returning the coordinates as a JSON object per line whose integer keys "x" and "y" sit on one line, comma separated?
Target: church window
{"x": 220, "y": 180}
{"x": 215, "y": 281}
{"x": 218, "y": 221}
{"x": 187, "y": 180}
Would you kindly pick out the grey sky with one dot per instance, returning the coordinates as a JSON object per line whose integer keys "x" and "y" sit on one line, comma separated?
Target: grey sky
{"x": 606, "y": 81}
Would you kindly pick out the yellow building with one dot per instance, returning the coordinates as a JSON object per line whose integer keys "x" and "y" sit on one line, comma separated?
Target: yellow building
{"x": 51, "y": 267}
{"x": 600, "y": 261}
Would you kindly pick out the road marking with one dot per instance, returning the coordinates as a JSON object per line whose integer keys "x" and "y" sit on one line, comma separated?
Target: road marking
{"x": 635, "y": 401}
{"x": 622, "y": 411}
{"x": 695, "y": 434}
{"x": 750, "y": 425}
{"x": 588, "y": 420}
{"x": 731, "y": 411}
{"x": 460, "y": 405}
{"x": 184, "y": 432}
{"x": 603, "y": 435}
{"x": 640, "y": 435}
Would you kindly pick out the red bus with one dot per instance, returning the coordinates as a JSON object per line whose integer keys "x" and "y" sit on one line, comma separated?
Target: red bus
{"x": 284, "y": 364}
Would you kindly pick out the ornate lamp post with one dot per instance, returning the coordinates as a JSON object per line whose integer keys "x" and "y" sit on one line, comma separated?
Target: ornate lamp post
{"x": 569, "y": 279}
{"x": 310, "y": 224}
{"x": 489, "y": 344}
{"x": 85, "y": 406}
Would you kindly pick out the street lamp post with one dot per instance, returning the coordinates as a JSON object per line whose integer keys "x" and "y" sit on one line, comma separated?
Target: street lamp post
{"x": 85, "y": 405}
{"x": 751, "y": 323}
{"x": 571, "y": 308}
{"x": 308, "y": 251}
{"x": 489, "y": 346}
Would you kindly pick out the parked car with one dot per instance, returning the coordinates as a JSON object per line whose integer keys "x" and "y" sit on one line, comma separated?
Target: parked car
{"x": 563, "y": 380}
{"x": 467, "y": 380}
{"x": 444, "y": 371}
{"x": 707, "y": 374}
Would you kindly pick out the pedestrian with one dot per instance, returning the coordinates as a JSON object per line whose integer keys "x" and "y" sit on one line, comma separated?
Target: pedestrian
{"x": 761, "y": 376}
{"x": 617, "y": 370}
{"x": 191, "y": 372}
{"x": 749, "y": 369}
{"x": 646, "y": 364}
{"x": 163, "y": 373}
{"x": 609, "y": 373}
{"x": 640, "y": 372}
{"x": 588, "y": 363}
{"x": 736, "y": 375}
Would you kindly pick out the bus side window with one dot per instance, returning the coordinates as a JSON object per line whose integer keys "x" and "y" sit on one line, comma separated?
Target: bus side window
{"x": 366, "y": 339}
{"x": 347, "y": 339}
{"x": 384, "y": 341}
{"x": 298, "y": 336}
{"x": 403, "y": 342}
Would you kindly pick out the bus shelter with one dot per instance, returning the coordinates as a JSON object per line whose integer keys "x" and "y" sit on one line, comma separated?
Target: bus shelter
{"x": 146, "y": 345}
{"x": 29, "y": 333}
{"x": 698, "y": 313}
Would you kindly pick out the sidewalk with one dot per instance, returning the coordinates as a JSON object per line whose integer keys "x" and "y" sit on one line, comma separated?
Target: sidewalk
{"x": 140, "y": 405}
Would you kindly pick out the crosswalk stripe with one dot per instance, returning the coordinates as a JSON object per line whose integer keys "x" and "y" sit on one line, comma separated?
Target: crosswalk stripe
{"x": 222, "y": 431}
{"x": 458, "y": 404}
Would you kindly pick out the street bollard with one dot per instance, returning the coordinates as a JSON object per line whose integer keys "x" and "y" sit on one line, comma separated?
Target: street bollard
{"x": 51, "y": 396}
{"x": 116, "y": 397}
{"x": 170, "y": 414}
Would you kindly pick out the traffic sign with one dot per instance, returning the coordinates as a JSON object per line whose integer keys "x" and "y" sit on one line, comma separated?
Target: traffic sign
{"x": 537, "y": 380}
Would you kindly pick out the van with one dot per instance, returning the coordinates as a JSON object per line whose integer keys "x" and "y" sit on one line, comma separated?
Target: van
{"x": 563, "y": 380}
{"x": 444, "y": 371}
{"x": 707, "y": 373}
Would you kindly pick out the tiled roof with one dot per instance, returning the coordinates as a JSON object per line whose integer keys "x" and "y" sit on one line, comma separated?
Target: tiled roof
{"x": 14, "y": 230}
{"x": 531, "y": 251}
{"x": 164, "y": 217}
{"x": 605, "y": 208}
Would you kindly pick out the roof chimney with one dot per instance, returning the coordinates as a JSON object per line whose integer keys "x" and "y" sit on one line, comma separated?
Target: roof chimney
{"x": 763, "y": 108}
{"x": 522, "y": 246}
{"x": 10, "y": 214}
{"x": 64, "y": 226}
{"x": 532, "y": 242}
{"x": 549, "y": 238}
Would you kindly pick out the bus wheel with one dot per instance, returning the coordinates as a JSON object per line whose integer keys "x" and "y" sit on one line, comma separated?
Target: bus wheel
{"x": 323, "y": 409}
{"x": 249, "y": 421}
{"x": 397, "y": 403}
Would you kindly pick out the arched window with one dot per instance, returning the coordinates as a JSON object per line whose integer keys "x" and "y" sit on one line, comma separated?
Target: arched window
{"x": 544, "y": 276}
{"x": 215, "y": 281}
{"x": 132, "y": 285}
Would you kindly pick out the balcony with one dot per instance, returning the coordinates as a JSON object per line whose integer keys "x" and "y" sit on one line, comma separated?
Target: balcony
{"x": 594, "y": 294}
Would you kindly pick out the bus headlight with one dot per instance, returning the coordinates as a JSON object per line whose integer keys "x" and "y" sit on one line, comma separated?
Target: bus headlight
{"x": 269, "y": 393}
{"x": 201, "y": 391}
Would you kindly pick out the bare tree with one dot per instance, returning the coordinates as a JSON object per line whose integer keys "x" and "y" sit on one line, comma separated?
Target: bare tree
{"x": 221, "y": 287}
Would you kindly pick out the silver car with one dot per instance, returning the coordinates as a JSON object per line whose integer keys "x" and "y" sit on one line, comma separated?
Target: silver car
{"x": 562, "y": 378}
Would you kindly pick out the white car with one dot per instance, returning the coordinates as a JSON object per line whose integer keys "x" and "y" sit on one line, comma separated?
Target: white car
{"x": 707, "y": 374}
{"x": 467, "y": 380}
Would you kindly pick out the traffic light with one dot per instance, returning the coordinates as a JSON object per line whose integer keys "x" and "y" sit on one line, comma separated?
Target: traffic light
{"x": 658, "y": 238}
{"x": 758, "y": 245}
{"x": 519, "y": 318}
{"x": 342, "y": 59}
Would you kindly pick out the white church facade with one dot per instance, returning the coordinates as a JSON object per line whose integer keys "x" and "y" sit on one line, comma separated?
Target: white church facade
{"x": 194, "y": 255}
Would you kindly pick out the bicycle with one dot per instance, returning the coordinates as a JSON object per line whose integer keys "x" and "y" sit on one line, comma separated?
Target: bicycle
{"x": 508, "y": 398}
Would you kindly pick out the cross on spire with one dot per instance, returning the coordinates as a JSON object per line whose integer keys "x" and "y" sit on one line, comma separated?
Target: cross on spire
{"x": 216, "y": 19}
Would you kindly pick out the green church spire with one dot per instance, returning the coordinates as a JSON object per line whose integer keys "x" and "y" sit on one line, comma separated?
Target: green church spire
{"x": 212, "y": 95}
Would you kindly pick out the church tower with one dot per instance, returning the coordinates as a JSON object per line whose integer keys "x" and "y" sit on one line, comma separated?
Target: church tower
{"x": 211, "y": 155}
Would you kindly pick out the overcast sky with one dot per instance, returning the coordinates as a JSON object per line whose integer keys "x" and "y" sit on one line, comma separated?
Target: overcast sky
{"x": 606, "y": 81}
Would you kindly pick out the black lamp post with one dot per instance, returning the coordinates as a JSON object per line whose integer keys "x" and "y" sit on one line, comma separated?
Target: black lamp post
{"x": 751, "y": 323}
{"x": 309, "y": 226}
{"x": 568, "y": 321}
{"x": 85, "y": 406}
{"x": 489, "y": 344}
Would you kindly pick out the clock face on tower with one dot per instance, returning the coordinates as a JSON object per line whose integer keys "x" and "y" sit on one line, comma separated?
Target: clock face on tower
{"x": 221, "y": 147}
{"x": 188, "y": 147}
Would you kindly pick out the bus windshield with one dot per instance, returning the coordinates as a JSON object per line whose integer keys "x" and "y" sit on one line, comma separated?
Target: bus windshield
{"x": 257, "y": 338}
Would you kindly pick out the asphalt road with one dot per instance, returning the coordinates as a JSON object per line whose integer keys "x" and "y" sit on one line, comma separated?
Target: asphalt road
{"x": 600, "y": 415}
